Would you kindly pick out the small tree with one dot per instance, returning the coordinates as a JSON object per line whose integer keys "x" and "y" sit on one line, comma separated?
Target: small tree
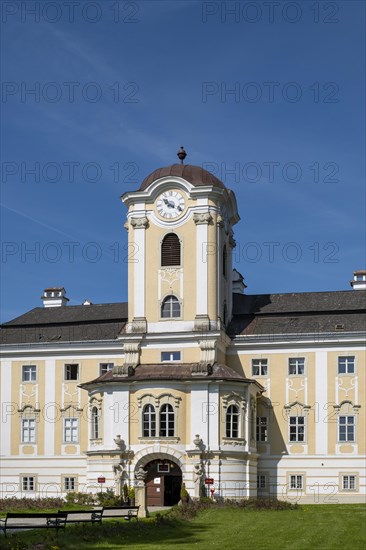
{"x": 125, "y": 493}
{"x": 184, "y": 495}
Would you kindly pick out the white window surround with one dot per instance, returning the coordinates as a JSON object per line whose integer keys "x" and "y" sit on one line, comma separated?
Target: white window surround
{"x": 28, "y": 483}
{"x": 296, "y": 482}
{"x": 28, "y": 430}
{"x": 71, "y": 372}
{"x": 296, "y": 364}
{"x": 348, "y": 481}
{"x": 157, "y": 401}
{"x": 238, "y": 401}
{"x": 29, "y": 373}
{"x": 71, "y": 430}
{"x": 260, "y": 367}
{"x": 69, "y": 483}
{"x": 170, "y": 356}
{"x": 346, "y": 363}
{"x": 346, "y": 428}
{"x": 177, "y": 301}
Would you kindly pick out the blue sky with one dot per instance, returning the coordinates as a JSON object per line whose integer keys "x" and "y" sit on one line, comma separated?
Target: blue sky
{"x": 270, "y": 98}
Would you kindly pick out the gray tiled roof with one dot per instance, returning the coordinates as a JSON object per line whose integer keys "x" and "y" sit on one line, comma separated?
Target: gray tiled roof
{"x": 171, "y": 371}
{"x": 305, "y": 312}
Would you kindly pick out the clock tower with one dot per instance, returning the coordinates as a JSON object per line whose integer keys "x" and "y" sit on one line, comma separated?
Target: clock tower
{"x": 180, "y": 243}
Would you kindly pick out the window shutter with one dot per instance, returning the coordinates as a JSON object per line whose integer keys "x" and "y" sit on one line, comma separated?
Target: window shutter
{"x": 170, "y": 250}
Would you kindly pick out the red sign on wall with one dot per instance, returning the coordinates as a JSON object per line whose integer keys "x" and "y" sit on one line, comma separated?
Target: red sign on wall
{"x": 101, "y": 479}
{"x": 209, "y": 481}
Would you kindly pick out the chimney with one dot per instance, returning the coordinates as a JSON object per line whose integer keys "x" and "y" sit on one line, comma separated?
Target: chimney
{"x": 54, "y": 297}
{"x": 359, "y": 280}
{"x": 238, "y": 282}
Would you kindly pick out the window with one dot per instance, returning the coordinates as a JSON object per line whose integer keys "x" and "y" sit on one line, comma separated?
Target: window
{"x": 28, "y": 430}
{"x": 29, "y": 373}
{"x": 95, "y": 423}
{"x": 149, "y": 421}
{"x": 72, "y": 372}
{"x": 71, "y": 430}
{"x": 170, "y": 250}
{"x": 349, "y": 483}
{"x": 170, "y": 356}
{"x": 261, "y": 482}
{"x": 346, "y": 428}
{"x": 166, "y": 421}
{"x": 296, "y": 482}
{"x": 346, "y": 365}
{"x": 262, "y": 428}
{"x": 69, "y": 483}
{"x": 259, "y": 367}
{"x": 232, "y": 421}
{"x": 297, "y": 429}
{"x": 170, "y": 307}
{"x": 296, "y": 365}
{"x": 105, "y": 367}
{"x": 28, "y": 483}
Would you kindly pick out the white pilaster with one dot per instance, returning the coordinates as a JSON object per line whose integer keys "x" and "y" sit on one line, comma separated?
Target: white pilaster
{"x": 7, "y": 408}
{"x": 202, "y": 252}
{"x": 139, "y": 271}
{"x": 123, "y": 414}
{"x": 50, "y": 397}
{"x": 321, "y": 399}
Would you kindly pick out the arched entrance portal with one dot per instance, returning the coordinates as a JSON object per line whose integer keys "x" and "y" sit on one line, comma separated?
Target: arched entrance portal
{"x": 163, "y": 482}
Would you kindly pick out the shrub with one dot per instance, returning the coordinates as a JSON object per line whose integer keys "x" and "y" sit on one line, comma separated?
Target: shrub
{"x": 184, "y": 496}
{"x": 13, "y": 503}
{"x": 79, "y": 498}
{"x": 108, "y": 498}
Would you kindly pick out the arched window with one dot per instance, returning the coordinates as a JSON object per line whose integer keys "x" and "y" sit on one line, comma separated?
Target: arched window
{"x": 224, "y": 261}
{"x": 95, "y": 423}
{"x": 170, "y": 307}
{"x": 232, "y": 421}
{"x": 149, "y": 421}
{"x": 170, "y": 250}
{"x": 166, "y": 421}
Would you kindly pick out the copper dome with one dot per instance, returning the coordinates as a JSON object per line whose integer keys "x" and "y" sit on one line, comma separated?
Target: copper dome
{"x": 195, "y": 175}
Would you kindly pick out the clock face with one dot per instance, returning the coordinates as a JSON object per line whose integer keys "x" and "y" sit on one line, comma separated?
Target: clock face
{"x": 170, "y": 204}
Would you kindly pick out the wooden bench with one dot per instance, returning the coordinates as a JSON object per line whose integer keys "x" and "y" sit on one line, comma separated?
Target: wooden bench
{"x": 33, "y": 520}
{"x": 83, "y": 516}
{"x": 125, "y": 512}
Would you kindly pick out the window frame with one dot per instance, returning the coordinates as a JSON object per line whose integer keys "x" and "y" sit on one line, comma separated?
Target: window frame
{"x": 346, "y": 359}
{"x": 260, "y": 367}
{"x": 296, "y": 359}
{"x": 23, "y": 439}
{"x": 95, "y": 423}
{"x": 103, "y": 365}
{"x": 232, "y": 421}
{"x": 259, "y": 429}
{"x": 149, "y": 421}
{"x": 66, "y": 480}
{"x": 296, "y": 425}
{"x": 348, "y": 475}
{"x": 33, "y": 370}
{"x": 68, "y": 365}
{"x": 178, "y": 243}
{"x": 296, "y": 478}
{"x": 72, "y": 428}
{"x": 173, "y": 300}
{"x": 170, "y": 354}
{"x": 25, "y": 483}
{"x": 348, "y": 427}
{"x": 166, "y": 410}
{"x": 260, "y": 478}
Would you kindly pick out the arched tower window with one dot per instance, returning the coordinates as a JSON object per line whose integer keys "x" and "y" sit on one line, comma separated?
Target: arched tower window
{"x": 170, "y": 307}
{"x": 232, "y": 421}
{"x": 149, "y": 421}
{"x": 95, "y": 432}
{"x": 166, "y": 421}
{"x": 170, "y": 250}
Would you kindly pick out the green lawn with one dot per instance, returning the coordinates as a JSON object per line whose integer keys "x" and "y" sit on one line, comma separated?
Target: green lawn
{"x": 309, "y": 527}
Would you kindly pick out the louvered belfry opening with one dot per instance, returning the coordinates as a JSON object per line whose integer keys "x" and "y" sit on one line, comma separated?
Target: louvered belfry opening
{"x": 170, "y": 250}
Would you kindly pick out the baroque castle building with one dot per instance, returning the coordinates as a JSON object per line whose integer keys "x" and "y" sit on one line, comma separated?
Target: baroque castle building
{"x": 193, "y": 380}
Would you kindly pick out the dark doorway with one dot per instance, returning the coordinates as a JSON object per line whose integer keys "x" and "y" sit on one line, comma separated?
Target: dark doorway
{"x": 163, "y": 482}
